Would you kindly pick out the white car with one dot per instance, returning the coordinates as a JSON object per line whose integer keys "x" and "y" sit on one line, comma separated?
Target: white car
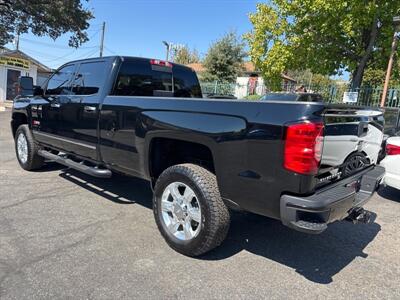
{"x": 392, "y": 162}
{"x": 352, "y": 141}
{"x": 338, "y": 147}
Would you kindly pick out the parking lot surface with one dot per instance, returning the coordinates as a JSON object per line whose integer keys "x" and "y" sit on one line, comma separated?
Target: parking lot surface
{"x": 67, "y": 235}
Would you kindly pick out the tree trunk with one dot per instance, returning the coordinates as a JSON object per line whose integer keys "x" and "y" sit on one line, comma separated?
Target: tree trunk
{"x": 359, "y": 71}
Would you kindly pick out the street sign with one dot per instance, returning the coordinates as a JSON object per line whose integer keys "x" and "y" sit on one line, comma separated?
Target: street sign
{"x": 350, "y": 97}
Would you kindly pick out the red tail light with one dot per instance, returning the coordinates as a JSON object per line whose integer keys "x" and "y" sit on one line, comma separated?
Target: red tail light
{"x": 303, "y": 147}
{"x": 160, "y": 63}
{"x": 392, "y": 149}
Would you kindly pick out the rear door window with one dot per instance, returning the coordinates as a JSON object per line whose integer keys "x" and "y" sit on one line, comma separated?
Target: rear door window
{"x": 89, "y": 78}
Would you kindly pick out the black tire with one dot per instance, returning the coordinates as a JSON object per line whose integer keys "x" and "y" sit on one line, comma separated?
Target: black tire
{"x": 215, "y": 217}
{"x": 33, "y": 161}
{"x": 354, "y": 163}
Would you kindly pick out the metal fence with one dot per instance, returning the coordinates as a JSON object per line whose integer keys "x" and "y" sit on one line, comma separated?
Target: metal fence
{"x": 368, "y": 96}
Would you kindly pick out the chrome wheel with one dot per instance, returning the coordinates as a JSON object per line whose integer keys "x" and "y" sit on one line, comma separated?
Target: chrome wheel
{"x": 181, "y": 212}
{"x": 22, "y": 148}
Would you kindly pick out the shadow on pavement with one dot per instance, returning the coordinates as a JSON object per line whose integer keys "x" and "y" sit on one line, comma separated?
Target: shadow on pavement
{"x": 118, "y": 189}
{"x": 50, "y": 166}
{"x": 317, "y": 257}
{"x": 389, "y": 193}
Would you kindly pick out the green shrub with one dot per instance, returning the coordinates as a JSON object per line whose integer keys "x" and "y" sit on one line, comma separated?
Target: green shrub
{"x": 252, "y": 97}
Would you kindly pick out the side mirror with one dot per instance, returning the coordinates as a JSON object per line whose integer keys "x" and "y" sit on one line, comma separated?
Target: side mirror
{"x": 37, "y": 91}
{"x": 25, "y": 86}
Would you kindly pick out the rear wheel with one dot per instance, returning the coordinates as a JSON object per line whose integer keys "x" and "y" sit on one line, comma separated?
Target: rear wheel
{"x": 26, "y": 149}
{"x": 354, "y": 163}
{"x": 189, "y": 211}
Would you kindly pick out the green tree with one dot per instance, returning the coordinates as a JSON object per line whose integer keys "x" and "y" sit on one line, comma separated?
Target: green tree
{"x": 306, "y": 77}
{"x": 52, "y": 18}
{"x": 376, "y": 77}
{"x": 325, "y": 36}
{"x": 183, "y": 55}
{"x": 224, "y": 59}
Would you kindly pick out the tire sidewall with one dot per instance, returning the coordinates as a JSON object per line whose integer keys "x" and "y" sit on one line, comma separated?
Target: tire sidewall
{"x": 349, "y": 158}
{"x": 23, "y": 129}
{"x": 179, "y": 175}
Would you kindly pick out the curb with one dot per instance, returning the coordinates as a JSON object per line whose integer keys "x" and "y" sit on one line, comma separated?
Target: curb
{"x": 6, "y": 105}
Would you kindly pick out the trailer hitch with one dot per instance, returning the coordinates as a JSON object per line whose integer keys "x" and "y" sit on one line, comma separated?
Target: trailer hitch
{"x": 360, "y": 215}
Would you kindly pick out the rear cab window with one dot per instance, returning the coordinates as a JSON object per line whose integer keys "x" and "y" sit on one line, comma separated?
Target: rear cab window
{"x": 145, "y": 77}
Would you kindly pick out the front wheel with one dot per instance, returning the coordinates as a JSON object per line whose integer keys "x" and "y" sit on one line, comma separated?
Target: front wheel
{"x": 189, "y": 211}
{"x": 26, "y": 149}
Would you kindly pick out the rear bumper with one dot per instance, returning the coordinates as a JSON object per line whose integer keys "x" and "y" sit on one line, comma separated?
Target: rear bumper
{"x": 313, "y": 213}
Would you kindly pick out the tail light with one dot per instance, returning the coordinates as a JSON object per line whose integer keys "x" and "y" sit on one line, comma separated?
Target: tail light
{"x": 303, "y": 147}
{"x": 161, "y": 63}
{"x": 392, "y": 149}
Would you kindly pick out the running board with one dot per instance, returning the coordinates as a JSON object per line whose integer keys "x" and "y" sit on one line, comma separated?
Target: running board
{"x": 92, "y": 171}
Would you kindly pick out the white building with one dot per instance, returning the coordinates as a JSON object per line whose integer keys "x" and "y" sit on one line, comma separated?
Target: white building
{"x": 15, "y": 63}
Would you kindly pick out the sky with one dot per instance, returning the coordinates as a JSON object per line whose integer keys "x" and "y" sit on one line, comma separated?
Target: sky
{"x": 138, "y": 27}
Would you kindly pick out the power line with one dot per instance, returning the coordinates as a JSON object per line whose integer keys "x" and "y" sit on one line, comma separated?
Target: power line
{"x": 39, "y": 53}
{"x": 50, "y": 45}
{"x": 69, "y": 53}
{"x": 73, "y": 52}
{"x": 109, "y": 50}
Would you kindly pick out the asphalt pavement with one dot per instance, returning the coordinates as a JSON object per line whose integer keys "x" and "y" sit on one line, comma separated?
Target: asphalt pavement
{"x": 67, "y": 235}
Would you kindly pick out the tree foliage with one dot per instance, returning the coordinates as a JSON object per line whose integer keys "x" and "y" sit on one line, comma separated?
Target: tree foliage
{"x": 52, "y": 18}
{"x": 376, "y": 77}
{"x": 224, "y": 59}
{"x": 183, "y": 55}
{"x": 325, "y": 36}
{"x": 306, "y": 77}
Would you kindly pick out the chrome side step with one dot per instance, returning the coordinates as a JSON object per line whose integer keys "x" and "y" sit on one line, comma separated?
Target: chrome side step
{"x": 92, "y": 171}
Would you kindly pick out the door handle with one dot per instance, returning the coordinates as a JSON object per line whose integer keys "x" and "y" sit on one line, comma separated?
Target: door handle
{"x": 56, "y": 105}
{"x": 89, "y": 108}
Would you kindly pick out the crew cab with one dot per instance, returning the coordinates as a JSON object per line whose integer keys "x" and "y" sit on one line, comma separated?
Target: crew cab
{"x": 147, "y": 118}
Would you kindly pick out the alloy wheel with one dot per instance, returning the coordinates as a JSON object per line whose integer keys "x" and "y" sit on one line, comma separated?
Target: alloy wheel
{"x": 181, "y": 211}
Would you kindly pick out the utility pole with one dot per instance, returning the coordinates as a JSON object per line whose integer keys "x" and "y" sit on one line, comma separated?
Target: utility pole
{"x": 168, "y": 46}
{"x": 17, "y": 42}
{"x": 102, "y": 39}
{"x": 396, "y": 22}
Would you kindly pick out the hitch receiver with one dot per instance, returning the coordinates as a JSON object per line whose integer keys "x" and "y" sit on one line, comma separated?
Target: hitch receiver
{"x": 359, "y": 215}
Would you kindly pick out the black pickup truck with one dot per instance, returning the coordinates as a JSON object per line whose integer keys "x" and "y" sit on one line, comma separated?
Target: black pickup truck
{"x": 147, "y": 118}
